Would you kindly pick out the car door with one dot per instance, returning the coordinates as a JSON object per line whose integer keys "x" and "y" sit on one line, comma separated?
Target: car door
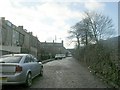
{"x": 36, "y": 66}
{"x": 29, "y": 65}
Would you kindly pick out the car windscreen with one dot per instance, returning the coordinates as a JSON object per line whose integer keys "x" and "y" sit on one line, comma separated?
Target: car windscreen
{"x": 10, "y": 59}
{"x": 59, "y": 54}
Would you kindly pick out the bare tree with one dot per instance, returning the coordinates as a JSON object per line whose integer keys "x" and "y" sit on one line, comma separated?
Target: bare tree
{"x": 86, "y": 32}
{"x": 92, "y": 28}
{"x": 75, "y": 34}
{"x": 82, "y": 32}
{"x": 100, "y": 25}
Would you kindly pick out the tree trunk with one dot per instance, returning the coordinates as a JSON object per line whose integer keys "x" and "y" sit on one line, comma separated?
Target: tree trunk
{"x": 78, "y": 41}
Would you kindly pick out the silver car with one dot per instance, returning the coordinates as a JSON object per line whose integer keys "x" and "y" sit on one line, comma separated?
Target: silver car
{"x": 19, "y": 69}
{"x": 58, "y": 56}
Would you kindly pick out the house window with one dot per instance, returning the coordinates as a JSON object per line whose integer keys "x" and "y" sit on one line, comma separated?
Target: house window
{"x": 9, "y": 23}
{"x": 15, "y": 38}
{"x": 21, "y": 40}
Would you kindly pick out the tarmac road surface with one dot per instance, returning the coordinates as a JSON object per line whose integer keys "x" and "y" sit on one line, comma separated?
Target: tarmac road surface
{"x": 65, "y": 73}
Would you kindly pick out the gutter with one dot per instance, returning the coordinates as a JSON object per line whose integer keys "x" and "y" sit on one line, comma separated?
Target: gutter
{"x": 48, "y": 60}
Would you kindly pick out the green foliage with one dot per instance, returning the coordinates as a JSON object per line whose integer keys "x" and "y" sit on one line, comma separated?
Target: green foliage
{"x": 25, "y": 50}
{"x": 45, "y": 57}
{"x": 96, "y": 52}
{"x": 102, "y": 61}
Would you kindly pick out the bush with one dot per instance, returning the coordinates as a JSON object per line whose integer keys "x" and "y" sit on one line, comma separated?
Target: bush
{"x": 103, "y": 60}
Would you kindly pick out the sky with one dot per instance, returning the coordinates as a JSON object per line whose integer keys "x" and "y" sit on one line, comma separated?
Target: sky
{"x": 51, "y": 19}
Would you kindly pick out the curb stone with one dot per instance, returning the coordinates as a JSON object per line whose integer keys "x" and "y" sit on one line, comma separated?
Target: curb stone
{"x": 45, "y": 61}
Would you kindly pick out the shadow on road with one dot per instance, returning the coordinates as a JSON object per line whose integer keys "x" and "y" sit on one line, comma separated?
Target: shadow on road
{"x": 14, "y": 87}
{"x": 19, "y": 87}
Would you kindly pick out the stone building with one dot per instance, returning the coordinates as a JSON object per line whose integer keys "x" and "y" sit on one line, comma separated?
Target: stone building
{"x": 49, "y": 49}
{"x": 9, "y": 37}
{"x": 16, "y": 39}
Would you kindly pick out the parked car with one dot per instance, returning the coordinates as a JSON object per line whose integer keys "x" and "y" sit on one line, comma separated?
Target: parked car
{"x": 58, "y": 56}
{"x": 63, "y": 55}
{"x": 69, "y": 55}
{"x": 19, "y": 69}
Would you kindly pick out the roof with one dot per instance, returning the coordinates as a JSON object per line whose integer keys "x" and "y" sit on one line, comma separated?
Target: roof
{"x": 51, "y": 44}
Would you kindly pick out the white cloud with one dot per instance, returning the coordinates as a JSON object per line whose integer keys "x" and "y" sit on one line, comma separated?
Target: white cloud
{"x": 45, "y": 20}
{"x": 94, "y": 5}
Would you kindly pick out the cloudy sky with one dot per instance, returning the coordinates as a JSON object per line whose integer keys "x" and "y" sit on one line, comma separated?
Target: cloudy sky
{"x": 51, "y": 19}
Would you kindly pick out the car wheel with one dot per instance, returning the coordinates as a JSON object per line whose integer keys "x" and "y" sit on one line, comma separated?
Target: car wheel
{"x": 29, "y": 80}
{"x": 41, "y": 71}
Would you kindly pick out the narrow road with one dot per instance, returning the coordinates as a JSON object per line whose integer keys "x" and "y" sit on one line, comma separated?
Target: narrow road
{"x": 65, "y": 73}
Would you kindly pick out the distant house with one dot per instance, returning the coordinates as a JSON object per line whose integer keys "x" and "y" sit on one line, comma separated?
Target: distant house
{"x": 52, "y": 48}
{"x": 70, "y": 51}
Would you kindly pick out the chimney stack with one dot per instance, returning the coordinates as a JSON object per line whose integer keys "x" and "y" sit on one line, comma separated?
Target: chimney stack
{"x": 2, "y": 18}
{"x": 62, "y": 42}
{"x": 20, "y": 27}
